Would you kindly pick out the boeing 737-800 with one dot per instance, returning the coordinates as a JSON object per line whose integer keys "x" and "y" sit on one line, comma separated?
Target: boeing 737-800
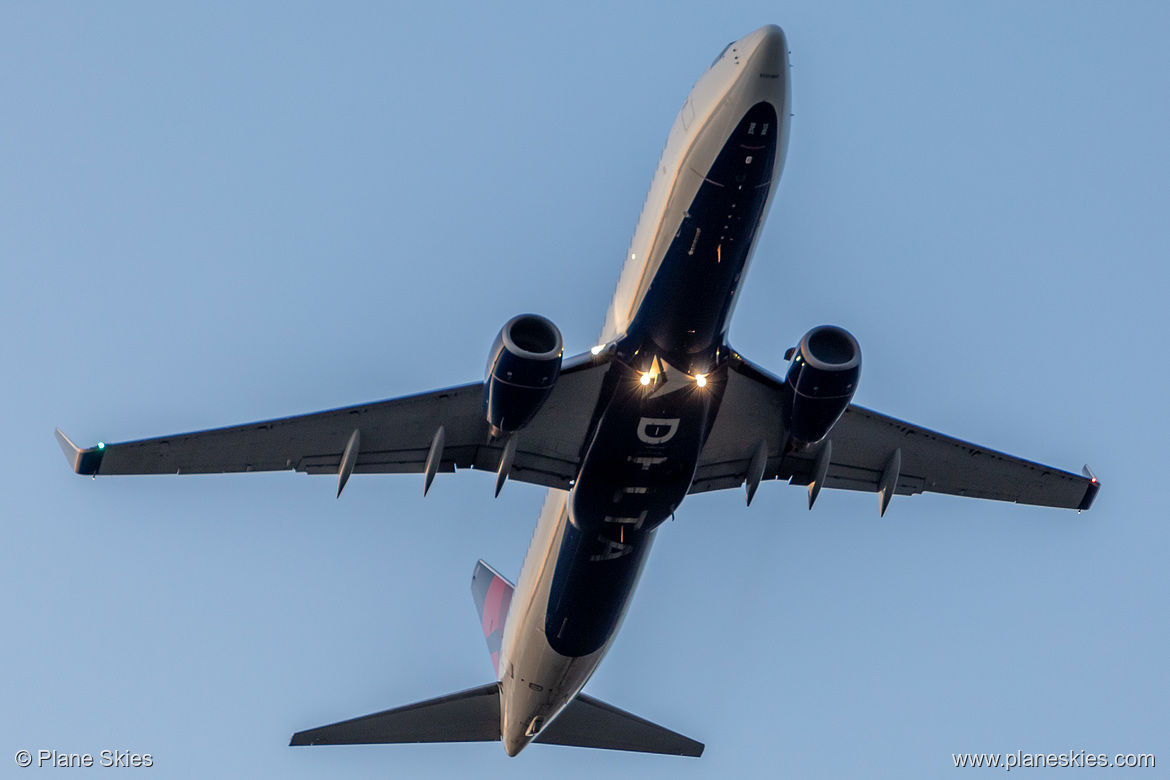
{"x": 661, "y": 408}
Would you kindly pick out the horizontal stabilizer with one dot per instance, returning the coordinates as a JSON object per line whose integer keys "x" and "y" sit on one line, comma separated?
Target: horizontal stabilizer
{"x": 474, "y": 716}
{"x": 587, "y": 722}
{"x": 468, "y": 716}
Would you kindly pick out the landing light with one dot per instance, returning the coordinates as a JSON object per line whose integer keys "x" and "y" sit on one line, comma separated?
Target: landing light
{"x": 646, "y": 378}
{"x": 597, "y": 350}
{"x": 701, "y": 380}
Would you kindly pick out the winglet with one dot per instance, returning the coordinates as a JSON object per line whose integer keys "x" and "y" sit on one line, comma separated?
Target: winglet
{"x": 86, "y": 461}
{"x": 1091, "y": 490}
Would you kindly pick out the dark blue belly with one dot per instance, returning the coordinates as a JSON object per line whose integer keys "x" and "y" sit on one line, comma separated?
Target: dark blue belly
{"x": 686, "y": 311}
{"x": 636, "y": 471}
{"x": 646, "y": 439}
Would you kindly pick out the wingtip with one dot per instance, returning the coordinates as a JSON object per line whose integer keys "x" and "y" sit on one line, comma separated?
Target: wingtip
{"x": 70, "y": 449}
{"x": 302, "y": 739}
{"x": 1090, "y": 490}
{"x": 86, "y": 461}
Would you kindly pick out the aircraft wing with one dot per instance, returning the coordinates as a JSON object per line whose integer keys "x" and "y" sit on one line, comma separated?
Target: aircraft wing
{"x": 394, "y": 436}
{"x": 863, "y": 445}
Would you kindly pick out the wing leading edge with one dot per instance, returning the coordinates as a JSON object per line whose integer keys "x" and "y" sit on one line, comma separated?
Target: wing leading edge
{"x": 864, "y": 447}
{"x": 396, "y": 437}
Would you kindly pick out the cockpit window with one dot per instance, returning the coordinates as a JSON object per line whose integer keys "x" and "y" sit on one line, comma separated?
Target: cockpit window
{"x": 725, "y": 48}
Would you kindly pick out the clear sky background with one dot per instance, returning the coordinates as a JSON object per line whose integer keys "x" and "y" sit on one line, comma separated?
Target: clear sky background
{"x": 212, "y": 214}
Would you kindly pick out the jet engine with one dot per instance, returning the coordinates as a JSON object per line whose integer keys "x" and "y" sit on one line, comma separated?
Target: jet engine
{"x": 522, "y": 368}
{"x": 822, "y": 379}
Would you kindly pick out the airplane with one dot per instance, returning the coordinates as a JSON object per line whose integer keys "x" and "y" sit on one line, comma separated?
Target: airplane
{"x": 661, "y": 408}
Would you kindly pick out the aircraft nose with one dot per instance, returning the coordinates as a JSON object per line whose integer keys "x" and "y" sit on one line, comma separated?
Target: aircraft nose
{"x": 768, "y": 44}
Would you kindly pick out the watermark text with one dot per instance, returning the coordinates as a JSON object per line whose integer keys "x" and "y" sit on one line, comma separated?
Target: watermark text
{"x": 102, "y": 758}
{"x": 1071, "y": 758}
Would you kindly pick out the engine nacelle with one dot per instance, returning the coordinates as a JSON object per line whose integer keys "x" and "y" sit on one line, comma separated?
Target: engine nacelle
{"x": 522, "y": 368}
{"x": 823, "y": 378}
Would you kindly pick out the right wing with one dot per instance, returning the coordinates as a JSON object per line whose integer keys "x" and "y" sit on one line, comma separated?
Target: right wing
{"x": 863, "y": 444}
{"x": 395, "y": 437}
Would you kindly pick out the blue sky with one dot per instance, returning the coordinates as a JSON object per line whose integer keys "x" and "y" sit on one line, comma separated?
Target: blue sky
{"x": 212, "y": 214}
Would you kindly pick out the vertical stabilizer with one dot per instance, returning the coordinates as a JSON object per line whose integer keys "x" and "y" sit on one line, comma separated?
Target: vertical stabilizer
{"x": 493, "y": 596}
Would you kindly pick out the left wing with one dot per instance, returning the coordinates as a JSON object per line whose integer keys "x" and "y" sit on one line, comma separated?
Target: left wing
{"x": 394, "y": 436}
{"x": 864, "y": 444}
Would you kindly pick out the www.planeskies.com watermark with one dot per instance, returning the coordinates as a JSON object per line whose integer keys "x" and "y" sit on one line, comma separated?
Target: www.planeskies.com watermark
{"x": 1072, "y": 758}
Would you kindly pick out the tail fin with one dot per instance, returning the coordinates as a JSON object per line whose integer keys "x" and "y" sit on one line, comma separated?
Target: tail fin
{"x": 493, "y": 596}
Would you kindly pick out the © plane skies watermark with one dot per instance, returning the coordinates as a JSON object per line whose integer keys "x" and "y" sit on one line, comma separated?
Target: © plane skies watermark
{"x": 103, "y": 758}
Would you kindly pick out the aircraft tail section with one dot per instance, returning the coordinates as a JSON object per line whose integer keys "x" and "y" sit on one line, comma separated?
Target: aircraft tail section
{"x": 590, "y": 723}
{"x": 474, "y": 716}
{"x": 468, "y": 716}
{"x": 493, "y": 596}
